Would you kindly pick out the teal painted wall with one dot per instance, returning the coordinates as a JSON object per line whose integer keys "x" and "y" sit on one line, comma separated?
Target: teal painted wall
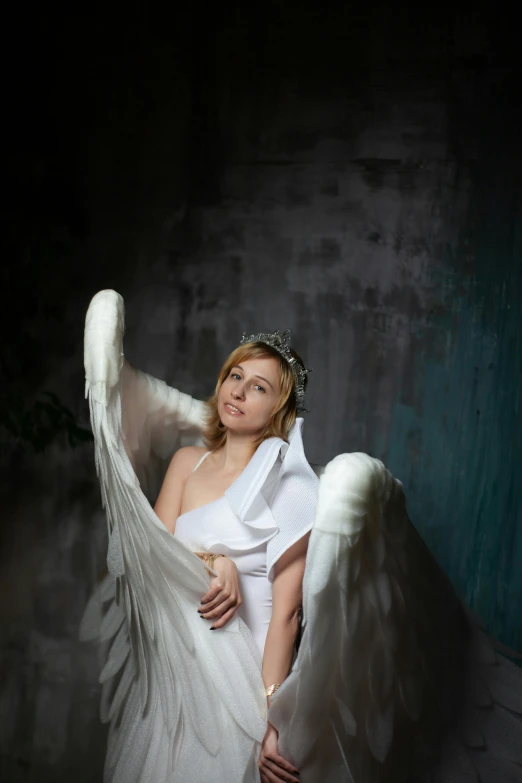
{"x": 458, "y": 449}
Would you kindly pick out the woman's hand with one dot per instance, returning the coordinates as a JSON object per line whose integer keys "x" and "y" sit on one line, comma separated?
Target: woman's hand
{"x": 273, "y": 767}
{"x": 223, "y": 598}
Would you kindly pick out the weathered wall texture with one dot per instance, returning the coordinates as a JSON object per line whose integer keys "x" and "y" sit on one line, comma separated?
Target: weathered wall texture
{"x": 356, "y": 180}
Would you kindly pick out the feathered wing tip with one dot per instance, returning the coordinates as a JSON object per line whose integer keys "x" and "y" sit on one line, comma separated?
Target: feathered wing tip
{"x": 103, "y": 344}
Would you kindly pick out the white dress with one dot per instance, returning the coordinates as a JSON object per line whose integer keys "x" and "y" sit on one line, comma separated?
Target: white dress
{"x": 214, "y": 527}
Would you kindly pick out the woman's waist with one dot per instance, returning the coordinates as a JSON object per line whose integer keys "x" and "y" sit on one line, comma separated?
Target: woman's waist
{"x": 249, "y": 562}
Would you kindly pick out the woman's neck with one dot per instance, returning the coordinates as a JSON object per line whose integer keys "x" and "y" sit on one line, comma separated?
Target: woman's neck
{"x": 236, "y": 453}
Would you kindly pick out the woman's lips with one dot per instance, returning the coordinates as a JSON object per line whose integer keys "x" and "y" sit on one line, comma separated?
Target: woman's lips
{"x": 232, "y": 410}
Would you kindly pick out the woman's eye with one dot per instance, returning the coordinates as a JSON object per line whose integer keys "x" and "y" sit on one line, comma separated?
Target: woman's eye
{"x": 237, "y": 377}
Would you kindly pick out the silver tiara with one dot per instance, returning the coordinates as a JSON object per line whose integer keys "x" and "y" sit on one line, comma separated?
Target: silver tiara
{"x": 279, "y": 341}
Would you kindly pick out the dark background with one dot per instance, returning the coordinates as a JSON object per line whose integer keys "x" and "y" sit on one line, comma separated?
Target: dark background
{"x": 352, "y": 172}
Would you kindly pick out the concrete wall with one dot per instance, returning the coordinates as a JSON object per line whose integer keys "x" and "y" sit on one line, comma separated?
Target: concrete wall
{"x": 354, "y": 177}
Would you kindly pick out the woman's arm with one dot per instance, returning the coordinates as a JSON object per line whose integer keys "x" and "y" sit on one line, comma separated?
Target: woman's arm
{"x": 287, "y": 593}
{"x": 287, "y": 596}
{"x": 168, "y": 504}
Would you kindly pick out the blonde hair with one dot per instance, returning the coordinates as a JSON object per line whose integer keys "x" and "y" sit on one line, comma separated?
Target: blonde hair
{"x": 284, "y": 413}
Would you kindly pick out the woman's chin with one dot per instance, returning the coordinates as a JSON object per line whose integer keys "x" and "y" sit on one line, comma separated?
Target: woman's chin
{"x": 239, "y": 426}
{"x": 235, "y": 424}
{"x": 229, "y": 418}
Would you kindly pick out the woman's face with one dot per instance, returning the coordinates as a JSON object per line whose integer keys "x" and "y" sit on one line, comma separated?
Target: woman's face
{"x": 248, "y": 396}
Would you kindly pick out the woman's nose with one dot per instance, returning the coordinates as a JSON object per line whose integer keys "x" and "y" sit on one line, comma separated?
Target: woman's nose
{"x": 238, "y": 393}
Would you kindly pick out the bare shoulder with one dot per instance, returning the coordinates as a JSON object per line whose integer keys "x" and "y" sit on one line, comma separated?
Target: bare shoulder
{"x": 185, "y": 459}
{"x": 168, "y": 503}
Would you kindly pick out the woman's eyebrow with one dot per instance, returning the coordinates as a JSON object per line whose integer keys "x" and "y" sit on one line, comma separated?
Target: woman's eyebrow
{"x": 255, "y": 376}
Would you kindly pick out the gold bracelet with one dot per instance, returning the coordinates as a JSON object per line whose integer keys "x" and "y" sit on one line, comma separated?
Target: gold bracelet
{"x": 208, "y": 558}
{"x": 272, "y": 689}
{"x": 213, "y": 558}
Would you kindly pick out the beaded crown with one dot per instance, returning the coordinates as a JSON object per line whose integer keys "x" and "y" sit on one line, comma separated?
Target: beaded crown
{"x": 280, "y": 341}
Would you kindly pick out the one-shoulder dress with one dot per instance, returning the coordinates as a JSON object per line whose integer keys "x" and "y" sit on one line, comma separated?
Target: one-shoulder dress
{"x": 241, "y": 523}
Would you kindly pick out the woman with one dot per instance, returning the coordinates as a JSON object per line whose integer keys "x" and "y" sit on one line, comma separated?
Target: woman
{"x": 393, "y": 680}
{"x": 255, "y": 400}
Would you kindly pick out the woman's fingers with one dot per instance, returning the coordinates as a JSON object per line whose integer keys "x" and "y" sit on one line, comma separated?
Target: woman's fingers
{"x": 211, "y": 594}
{"x": 223, "y": 595}
{"x": 223, "y": 620}
{"x": 223, "y": 607}
{"x": 285, "y": 773}
{"x": 269, "y": 777}
{"x": 219, "y": 609}
{"x": 279, "y": 765}
{"x": 276, "y": 758}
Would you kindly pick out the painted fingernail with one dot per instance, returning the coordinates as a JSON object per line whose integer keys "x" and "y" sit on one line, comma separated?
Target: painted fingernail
{"x": 212, "y": 628}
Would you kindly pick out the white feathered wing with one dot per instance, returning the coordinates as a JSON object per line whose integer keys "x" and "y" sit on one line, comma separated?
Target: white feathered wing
{"x": 394, "y": 680}
{"x": 178, "y": 699}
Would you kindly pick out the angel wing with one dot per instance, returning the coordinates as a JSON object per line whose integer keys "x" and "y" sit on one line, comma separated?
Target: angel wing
{"x": 175, "y": 701}
{"x": 394, "y": 680}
